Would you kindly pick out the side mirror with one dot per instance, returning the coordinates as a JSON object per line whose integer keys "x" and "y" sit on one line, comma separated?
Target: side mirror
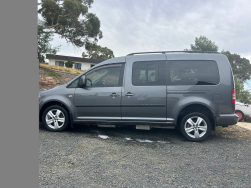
{"x": 82, "y": 81}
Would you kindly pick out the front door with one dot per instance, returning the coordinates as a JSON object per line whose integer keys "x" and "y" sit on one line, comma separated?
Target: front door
{"x": 101, "y": 99}
{"x": 144, "y": 94}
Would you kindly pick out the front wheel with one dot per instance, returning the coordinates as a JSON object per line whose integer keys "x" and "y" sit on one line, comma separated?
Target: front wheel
{"x": 195, "y": 127}
{"x": 55, "y": 118}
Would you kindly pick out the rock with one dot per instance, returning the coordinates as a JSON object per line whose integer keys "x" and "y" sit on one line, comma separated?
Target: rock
{"x": 46, "y": 81}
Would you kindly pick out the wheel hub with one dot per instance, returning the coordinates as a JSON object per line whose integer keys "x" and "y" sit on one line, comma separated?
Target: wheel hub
{"x": 55, "y": 119}
{"x": 195, "y": 127}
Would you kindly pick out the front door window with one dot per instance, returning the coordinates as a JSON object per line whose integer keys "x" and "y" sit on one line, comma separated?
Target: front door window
{"x": 104, "y": 77}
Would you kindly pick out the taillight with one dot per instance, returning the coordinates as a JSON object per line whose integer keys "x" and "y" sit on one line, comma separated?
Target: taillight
{"x": 233, "y": 96}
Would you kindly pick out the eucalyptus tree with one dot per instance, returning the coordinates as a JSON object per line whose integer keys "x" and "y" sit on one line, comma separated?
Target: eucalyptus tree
{"x": 71, "y": 20}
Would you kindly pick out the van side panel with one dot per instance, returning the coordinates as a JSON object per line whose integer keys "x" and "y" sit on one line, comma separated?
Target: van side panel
{"x": 217, "y": 98}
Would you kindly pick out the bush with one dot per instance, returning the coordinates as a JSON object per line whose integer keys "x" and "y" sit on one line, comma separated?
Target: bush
{"x": 69, "y": 63}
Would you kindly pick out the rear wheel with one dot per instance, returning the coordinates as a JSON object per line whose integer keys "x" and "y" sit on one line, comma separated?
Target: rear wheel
{"x": 55, "y": 118}
{"x": 240, "y": 114}
{"x": 195, "y": 127}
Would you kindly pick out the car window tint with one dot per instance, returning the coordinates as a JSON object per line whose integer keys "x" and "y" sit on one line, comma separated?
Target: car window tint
{"x": 73, "y": 84}
{"x": 193, "y": 73}
{"x": 104, "y": 77}
{"x": 149, "y": 73}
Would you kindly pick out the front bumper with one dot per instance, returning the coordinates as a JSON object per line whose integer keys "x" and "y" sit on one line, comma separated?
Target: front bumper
{"x": 226, "y": 119}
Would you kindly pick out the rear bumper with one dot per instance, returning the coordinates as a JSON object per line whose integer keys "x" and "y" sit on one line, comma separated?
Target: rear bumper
{"x": 226, "y": 119}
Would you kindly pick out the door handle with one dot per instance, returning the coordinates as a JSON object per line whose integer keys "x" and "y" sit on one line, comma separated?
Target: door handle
{"x": 130, "y": 94}
{"x": 114, "y": 95}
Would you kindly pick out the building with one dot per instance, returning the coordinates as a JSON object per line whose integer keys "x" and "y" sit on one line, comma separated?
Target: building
{"x": 80, "y": 63}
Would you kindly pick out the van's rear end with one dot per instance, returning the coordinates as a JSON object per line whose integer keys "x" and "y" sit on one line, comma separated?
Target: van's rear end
{"x": 226, "y": 114}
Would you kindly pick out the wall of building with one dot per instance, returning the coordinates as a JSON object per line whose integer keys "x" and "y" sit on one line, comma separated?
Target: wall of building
{"x": 84, "y": 66}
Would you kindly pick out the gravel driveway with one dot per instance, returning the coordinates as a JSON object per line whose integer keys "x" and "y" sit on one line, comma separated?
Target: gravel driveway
{"x": 125, "y": 157}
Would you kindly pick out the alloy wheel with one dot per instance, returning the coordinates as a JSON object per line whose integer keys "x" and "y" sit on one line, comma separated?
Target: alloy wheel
{"x": 195, "y": 127}
{"x": 55, "y": 119}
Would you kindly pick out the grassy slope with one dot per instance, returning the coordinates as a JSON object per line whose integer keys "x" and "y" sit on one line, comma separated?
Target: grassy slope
{"x": 70, "y": 70}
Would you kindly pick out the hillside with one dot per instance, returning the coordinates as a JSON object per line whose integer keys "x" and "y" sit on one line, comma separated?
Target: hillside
{"x": 50, "y": 76}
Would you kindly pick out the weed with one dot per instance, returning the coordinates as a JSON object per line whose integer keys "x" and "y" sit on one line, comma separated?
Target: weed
{"x": 59, "y": 83}
{"x": 50, "y": 72}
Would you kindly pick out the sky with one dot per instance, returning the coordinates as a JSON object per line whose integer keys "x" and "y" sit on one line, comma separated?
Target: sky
{"x": 153, "y": 25}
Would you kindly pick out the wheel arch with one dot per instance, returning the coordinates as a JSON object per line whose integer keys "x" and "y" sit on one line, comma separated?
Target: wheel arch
{"x": 197, "y": 107}
{"x": 50, "y": 103}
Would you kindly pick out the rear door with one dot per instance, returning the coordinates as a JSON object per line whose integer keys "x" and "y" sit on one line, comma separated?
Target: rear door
{"x": 101, "y": 99}
{"x": 144, "y": 92}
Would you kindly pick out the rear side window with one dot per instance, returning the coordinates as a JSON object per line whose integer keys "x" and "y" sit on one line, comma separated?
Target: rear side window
{"x": 193, "y": 73}
{"x": 149, "y": 73}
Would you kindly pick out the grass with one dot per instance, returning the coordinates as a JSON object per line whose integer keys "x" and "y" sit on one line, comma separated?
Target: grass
{"x": 70, "y": 70}
{"x": 233, "y": 131}
{"x": 51, "y": 73}
{"x": 59, "y": 83}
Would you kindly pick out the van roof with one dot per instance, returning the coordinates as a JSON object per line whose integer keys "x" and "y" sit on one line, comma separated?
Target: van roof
{"x": 172, "y": 55}
{"x": 164, "y": 52}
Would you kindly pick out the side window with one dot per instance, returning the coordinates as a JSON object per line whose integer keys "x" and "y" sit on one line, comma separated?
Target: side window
{"x": 149, "y": 73}
{"x": 193, "y": 73}
{"x": 152, "y": 72}
{"x": 73, "y": 84}
{"x": 105, "y": 77}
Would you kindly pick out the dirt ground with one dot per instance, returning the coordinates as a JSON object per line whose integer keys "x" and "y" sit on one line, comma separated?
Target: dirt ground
{"x": 125, "y": 157}
{"x": 246, "y": 125}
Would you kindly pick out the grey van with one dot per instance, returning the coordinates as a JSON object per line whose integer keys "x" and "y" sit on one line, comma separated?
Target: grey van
{"x": 190, "y": 91}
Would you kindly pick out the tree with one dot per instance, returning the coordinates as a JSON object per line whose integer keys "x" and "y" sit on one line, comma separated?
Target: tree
{"x": 43, "y": 39}
{"x": 241, "y": 66}
{"x": 203, "y": 44}
{"x": 69, "y": 63}
{"x": 63, "y": 18}
{"x": 241, "y": 94}
{"x": 95, "y": 51}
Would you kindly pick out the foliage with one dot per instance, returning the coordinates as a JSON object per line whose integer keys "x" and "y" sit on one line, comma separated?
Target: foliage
{"x": 203, "y": 44}
{"x": 95, "y": 51}
{"x": 69, "y": 63}
{"x": 241, "y": 66}
{"x": 59, "y": 83}
{"x": 63, "y": 18}
{"x": 50, "y": 72}
{"x": 241, "y": 94}
{"x": 43, "y": 39}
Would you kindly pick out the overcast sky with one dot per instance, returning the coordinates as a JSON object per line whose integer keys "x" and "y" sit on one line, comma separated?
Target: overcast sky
{"x": 147, "y": 25}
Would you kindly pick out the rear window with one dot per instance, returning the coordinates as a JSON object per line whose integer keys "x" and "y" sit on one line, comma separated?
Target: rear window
{"x": 193, "y": 73}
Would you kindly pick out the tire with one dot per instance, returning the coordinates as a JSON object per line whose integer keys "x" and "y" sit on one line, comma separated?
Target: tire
{"x": 240, "y": 114}
{"x": 53, "y": 122}
{"x": 194, "y": 131}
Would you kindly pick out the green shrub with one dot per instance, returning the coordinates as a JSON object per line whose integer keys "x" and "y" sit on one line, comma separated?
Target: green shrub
{"x": 69, "y": 63}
